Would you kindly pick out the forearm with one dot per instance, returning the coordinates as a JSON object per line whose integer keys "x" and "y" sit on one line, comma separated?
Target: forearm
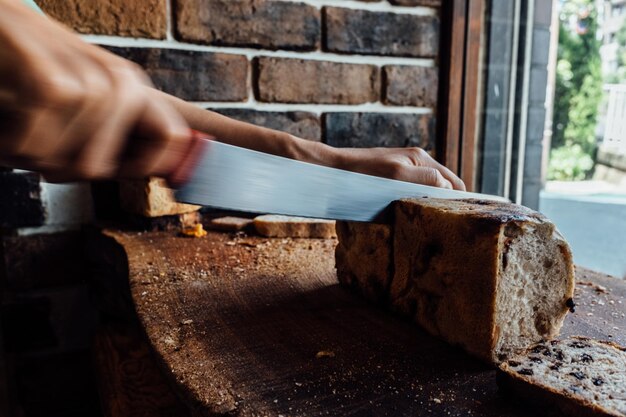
{"x": 405, "y": 164}
{"x": 258, "y": 138}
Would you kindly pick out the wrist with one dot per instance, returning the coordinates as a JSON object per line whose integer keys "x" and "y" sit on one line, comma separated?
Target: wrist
{"x": 313, "y": 152}
{"x": 343, "y": 158}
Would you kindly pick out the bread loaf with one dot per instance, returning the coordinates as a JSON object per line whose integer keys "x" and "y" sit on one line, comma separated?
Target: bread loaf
{"x": 272, "y": 225}
{"x": 576, "y": 377}
{"x": 489, "y": 277}
{"x": 363, "y": 258}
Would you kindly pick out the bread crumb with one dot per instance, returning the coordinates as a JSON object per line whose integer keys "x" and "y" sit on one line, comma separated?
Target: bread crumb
{"x": 195, "y": 231}
{"x": 325, "y": 354}
{"x": 247, "y": 244}
{"x": 600, "y": 289}
{"x": 230, "y": 223}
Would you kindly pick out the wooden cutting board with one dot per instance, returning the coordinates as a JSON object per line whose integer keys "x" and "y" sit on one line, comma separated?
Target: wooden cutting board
{"x": 254, "y": 326}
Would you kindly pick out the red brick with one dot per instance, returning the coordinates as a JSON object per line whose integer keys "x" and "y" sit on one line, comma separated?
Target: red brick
{"x": 389, "y": 130}
{"x": 410, "y": 86}
{"x": 254, "y": 23}
{"x": 427, "y": 3}
{"x": 301, "y": 124}
{"x": 320, "y": 82}
{"x": 375, "y": 33}
{"x": 136, "y": 18}
{"x": 193, "y": 75}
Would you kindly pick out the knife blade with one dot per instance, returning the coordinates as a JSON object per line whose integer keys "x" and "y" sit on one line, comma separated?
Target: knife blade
{"x": 234, "y": 178}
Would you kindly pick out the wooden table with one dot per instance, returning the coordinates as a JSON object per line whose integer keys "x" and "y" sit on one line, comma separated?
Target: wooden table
{"x": 252, "y": 326}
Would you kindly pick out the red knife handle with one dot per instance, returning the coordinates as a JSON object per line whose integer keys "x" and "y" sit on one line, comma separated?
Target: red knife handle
{"x": 198, "y": 144}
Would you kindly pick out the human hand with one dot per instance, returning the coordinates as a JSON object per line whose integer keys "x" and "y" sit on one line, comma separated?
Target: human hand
{"x": 404, "y": 164}
{"x": 67, "y": 108}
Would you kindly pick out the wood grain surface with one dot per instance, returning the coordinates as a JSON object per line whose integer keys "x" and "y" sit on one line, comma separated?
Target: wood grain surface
{"x": 252, "y": 326}
{"x": 130, "y": 383}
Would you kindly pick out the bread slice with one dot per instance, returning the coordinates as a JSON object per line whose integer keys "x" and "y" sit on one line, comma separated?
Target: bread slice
{"x": 363, "y": 258}
{"x": 151, "y": 197}
{"x": 489, "y": 277}
{"x": 271, "y": 225}
{"x": 230, "y": 223}
{"x": 577, "y": 376}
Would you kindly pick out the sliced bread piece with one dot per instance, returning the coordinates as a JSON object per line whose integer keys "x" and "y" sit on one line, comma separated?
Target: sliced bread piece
{"x": 230, "y": 223}
{"x": 489, "y": 277}
{"x": 273, "y": 225}
{"x": 151, "y": 198}
{"x": 363, "y": 258}
{"x": 576, "y": 376}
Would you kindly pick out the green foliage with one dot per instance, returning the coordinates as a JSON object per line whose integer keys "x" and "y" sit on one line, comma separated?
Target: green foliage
{"x": 578, "y": 92}
{"x": 569, "y": 163}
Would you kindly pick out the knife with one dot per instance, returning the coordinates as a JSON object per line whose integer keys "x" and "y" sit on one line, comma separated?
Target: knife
{"x": 228, "y": 177}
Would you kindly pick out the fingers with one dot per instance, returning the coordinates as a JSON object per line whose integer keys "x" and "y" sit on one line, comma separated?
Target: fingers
{"x": 456, "y": 182}
{"x": 420, "y": 157}
{"x": 422, "y": 175}
{"x": 100, "y": 157}
{"x": 140, "y": 134}
{"x": 404, "y": 164}
{"x": 44, "y": 108}
{"x": 73, "y": 136}
{"x": 86, "y": 115}
{"x": 160, "y": 142}
{"x": 70, "y": 107}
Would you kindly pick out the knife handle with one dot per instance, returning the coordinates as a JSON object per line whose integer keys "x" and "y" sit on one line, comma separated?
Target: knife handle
{"x": 198, "y": 144}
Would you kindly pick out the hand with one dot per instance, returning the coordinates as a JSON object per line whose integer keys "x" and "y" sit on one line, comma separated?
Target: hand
{"x": 67, "y": 108}
{"x": 404, "y": 164}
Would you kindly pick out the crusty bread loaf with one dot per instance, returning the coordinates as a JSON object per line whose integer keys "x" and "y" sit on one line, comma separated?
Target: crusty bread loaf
{"x": 359, "y": 244}
{"x": 575, "y": 377}
{"x": 271, "y": 225}
{"x": 489, "y": 277}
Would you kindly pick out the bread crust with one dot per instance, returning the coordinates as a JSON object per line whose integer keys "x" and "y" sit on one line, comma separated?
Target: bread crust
{"x": 550, "y": 401}
{"x": 446, "y": 270}
{"x": 426, "y": 284}
{"x": 363, "y": 258}
{"x": 286, "y": 226}
{"x": 230, "y": 223}
{"x": 523, "y": 388}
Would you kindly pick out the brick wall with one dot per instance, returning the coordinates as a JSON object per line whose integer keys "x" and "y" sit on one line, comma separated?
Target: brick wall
{"x": 350, "y": 73}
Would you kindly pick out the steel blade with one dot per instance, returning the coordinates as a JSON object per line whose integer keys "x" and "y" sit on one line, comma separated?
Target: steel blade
{"x": 235, "y": 178}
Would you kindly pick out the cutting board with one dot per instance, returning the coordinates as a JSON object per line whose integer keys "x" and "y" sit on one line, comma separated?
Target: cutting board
{"x": 253, "y": 326}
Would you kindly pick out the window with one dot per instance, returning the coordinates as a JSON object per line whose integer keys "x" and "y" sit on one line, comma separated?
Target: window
{"x": 554, "y": 122}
